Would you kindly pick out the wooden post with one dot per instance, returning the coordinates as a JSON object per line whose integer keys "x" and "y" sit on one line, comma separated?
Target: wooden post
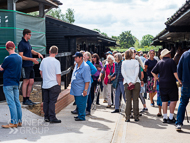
{"x": 11, "y": 4}
{"x": 41, "y": 10}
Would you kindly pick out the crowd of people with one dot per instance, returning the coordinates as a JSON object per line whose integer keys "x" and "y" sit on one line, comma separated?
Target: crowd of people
{"x": 130, "y": 76}
{"x": 124, "y": 76}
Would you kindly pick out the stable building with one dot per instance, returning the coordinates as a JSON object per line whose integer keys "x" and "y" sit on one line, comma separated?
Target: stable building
{"x": 177, "y": 32}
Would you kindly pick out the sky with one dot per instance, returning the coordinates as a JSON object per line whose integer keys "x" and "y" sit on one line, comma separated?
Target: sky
{"x": 116, "y": 16}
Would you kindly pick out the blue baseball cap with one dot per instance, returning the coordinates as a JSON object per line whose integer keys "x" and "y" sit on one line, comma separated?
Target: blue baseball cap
{"x": 109, "y": 52}
{"x": 78, "y": 54}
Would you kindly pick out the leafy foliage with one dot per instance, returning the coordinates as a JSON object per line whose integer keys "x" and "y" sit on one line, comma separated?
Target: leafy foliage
{"x": 70, "y": 15}
{"x": 103, "y": 33}
{"x": 137, "y": 44}
{"x": 146, "y": 40}
{"x": 98, "y": 30}
{"x": 126, "y": 39}
{"x": 57, "y": 13}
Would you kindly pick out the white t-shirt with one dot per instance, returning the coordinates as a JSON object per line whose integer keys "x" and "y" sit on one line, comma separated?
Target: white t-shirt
{"x": 50, "y": 67}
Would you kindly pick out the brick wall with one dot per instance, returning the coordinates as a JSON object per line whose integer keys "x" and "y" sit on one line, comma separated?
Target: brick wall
{"x": 63, "y": 101}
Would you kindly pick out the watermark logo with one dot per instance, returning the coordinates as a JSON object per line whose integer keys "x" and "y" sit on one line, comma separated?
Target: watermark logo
{"x": 31, "y": 126}
{"x": 13, "y": 130}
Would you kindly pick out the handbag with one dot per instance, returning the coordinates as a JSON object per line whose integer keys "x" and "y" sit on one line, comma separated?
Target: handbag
{"x": 109, "y": 80}
{"x": 131, "y": 87}
{"x": 115, "y": 82}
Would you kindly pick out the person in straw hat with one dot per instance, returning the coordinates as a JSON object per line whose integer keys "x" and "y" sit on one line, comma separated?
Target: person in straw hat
{"x": 167, "y": 69}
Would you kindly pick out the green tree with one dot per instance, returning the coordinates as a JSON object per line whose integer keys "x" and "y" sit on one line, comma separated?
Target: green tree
{"x": 97, "y": 30}
{"x": 70, "y": 15}
{"x": 135, "y": 38}
{"x": 104, "y": 34}
{"x": 57, "y": 13}
{"x": 126, "y": 39}
{"x": 146, "y": 40}
{"x": 115, "y": 37}
{"x": 137, "y": 44}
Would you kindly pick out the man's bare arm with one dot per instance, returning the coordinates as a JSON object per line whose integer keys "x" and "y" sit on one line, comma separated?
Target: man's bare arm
{"x": 86, "y": 88}
{"x": 1, "y": 69}
{"x": 176, "y": 76}
{"x": 41, "y": 74}
{"x": 34, "y": 60}
{"x": 36, "y": 53}
{"x": 58, "y": 76}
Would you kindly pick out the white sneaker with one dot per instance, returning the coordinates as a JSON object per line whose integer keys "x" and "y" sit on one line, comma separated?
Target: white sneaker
{"x": 178, "y": 127}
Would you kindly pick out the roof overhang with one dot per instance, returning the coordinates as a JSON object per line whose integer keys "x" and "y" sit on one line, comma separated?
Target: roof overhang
{"x": 31, "y": 5}
{"x": 177, "y": 27}
{"x": 94, "y": 40}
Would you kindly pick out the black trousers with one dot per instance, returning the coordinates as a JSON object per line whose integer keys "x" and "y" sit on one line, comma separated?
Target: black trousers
{"x": 94, "y": 85}
{"x": 49, "y": 99}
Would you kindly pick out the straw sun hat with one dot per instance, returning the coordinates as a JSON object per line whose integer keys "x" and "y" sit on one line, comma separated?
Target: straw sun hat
{"x": 164, "y": 52}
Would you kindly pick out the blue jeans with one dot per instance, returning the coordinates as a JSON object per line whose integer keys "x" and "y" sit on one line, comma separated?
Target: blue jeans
{"x": 184, "y": 100}
{"x": 119, "y": 90}
{"x": 145, "y": 94}
{"x": 12, "y": 98}
{"x": 81, "y": 102}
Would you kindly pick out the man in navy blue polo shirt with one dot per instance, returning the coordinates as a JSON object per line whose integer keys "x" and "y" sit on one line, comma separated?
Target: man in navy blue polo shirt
{"x": 26, "y": 52}
{"x": 80, "y": 85}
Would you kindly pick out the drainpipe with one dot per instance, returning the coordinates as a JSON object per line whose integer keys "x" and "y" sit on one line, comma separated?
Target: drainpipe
{"x": 11, "y": 4}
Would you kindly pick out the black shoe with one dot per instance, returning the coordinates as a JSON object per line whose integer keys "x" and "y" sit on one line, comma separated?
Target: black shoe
{"x": 74, "y": 112}
{"x": 75, "y": 117}
{"x": 74, "y": 103}
{"x": 140, "y": 114}
{"x": 131, "y": 116}
{"x": 115, "y": 111}
{"x": 164, "y": 121}
{"x": 27, "y": 102}
{"x": 31, "y": 102}
{"x": 55, "y": 121}
{"x": 172, "y": 121}
{"x": 46, "y": 120}
{"x": 144, "y": 110}
{"x": 136, "y": 120}
{"x": 127, "y": 120}
{"x": 78, "y": 119}
{"x": 97, "y": 103}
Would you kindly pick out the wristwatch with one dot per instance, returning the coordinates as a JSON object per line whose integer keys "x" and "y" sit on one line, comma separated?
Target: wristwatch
{"x": 86, "y": 90}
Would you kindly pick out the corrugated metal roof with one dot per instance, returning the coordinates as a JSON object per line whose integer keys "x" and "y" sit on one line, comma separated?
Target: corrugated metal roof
{"x": 79, "y": 29}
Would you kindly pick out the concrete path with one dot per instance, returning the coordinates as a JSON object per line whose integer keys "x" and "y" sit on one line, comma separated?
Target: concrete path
{"x": 98, "y": 128}
{"x": 101, "y": 127}
{"x": 150, "y": 129}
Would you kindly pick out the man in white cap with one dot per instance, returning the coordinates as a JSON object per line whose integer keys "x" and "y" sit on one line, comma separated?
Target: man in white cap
{"x": 167, "y": 69}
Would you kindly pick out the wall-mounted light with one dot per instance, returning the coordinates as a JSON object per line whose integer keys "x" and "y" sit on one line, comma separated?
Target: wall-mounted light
{"x": 161, "y": 41}
{"x": 99, "y": 40}
{"x": 169, "y": 38}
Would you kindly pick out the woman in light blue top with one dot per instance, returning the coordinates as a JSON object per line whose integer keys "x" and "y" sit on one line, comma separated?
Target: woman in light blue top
{"x": 87, "y": 58}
